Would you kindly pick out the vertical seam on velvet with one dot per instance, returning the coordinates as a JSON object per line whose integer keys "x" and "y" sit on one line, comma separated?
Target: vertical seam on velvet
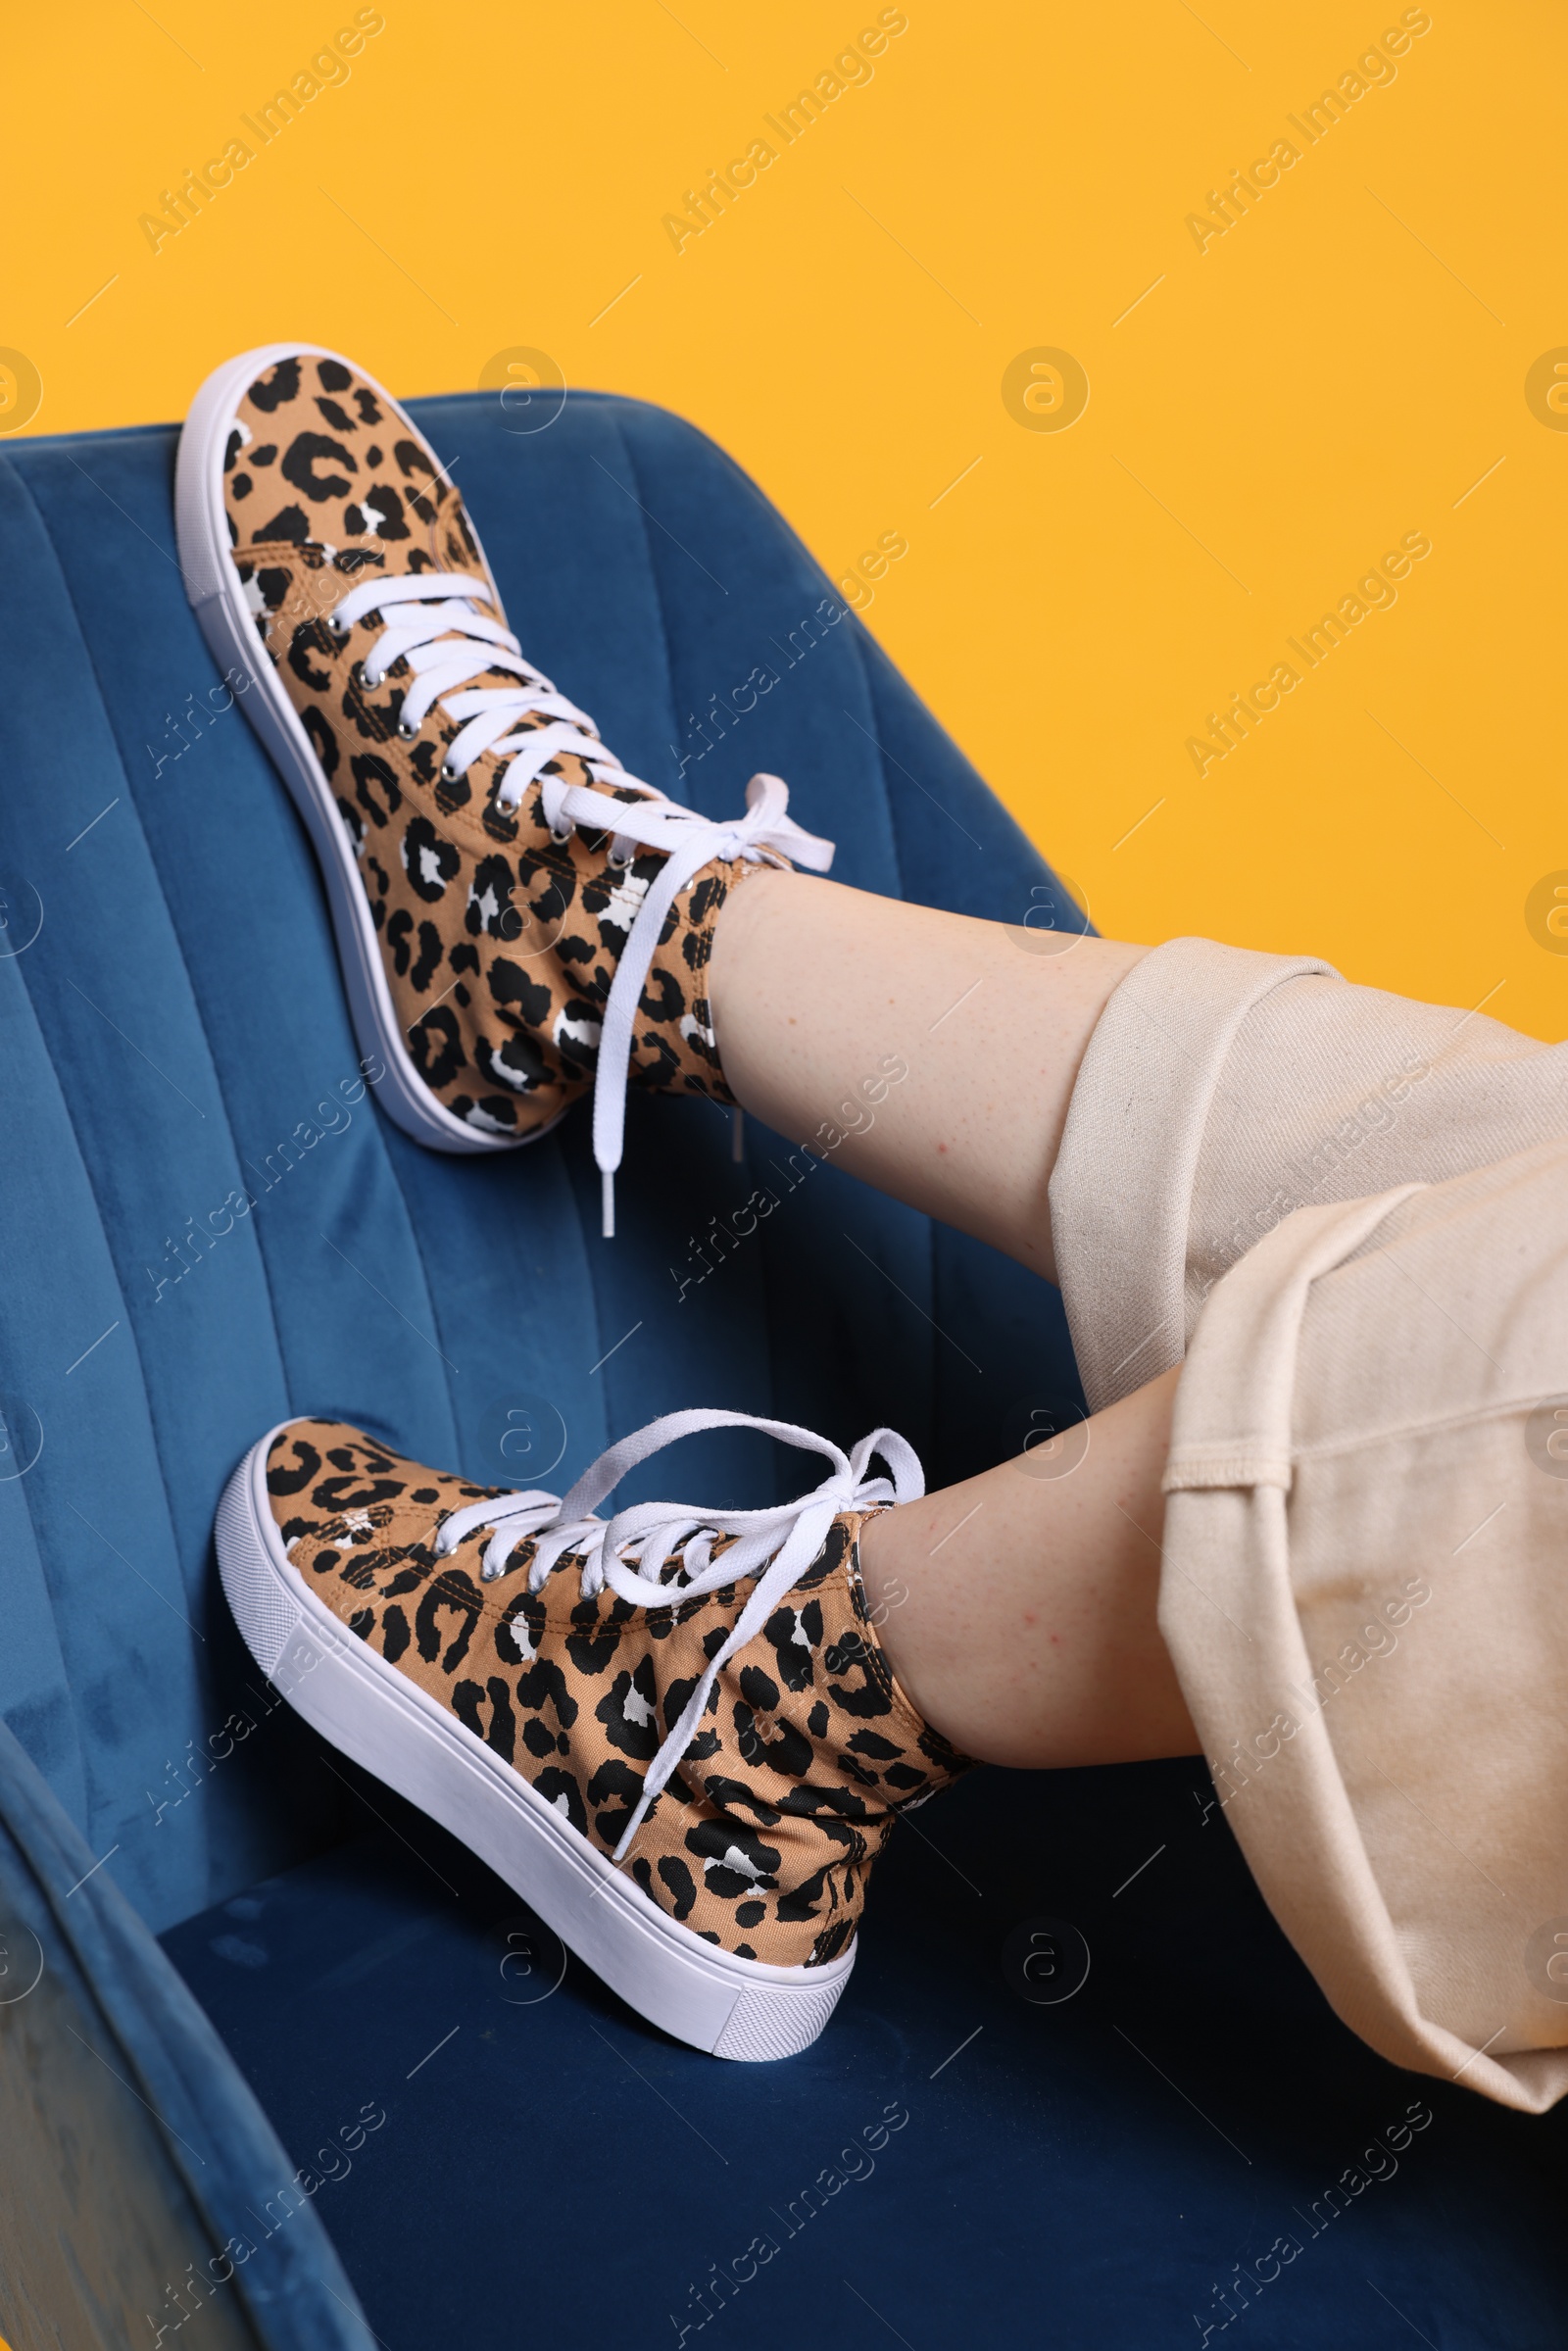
{"x": 262, "y": 1247}
{"x": 379, "y": 1126}
{"x": 889, "y": 816}
{"x": 157, "y": 1433}
{"x": 174, "y": 932}
{"x": 622, "y": 436}
{"x": 585, "y": 1226}
{"x": 624, "y": 444}
{"x": 856, "y": 639}
{"x": 160, "y": 1448}
{"x": 83, "y": 1771}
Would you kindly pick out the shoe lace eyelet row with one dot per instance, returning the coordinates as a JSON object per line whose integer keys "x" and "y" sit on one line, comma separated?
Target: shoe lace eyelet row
{"x": 445, "y": 631}
{"x": 657, "y": 1556}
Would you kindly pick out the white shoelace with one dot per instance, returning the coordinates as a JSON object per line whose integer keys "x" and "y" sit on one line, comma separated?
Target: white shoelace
{"x": 627, "y": 1552}
{"x": 433, "y": 622}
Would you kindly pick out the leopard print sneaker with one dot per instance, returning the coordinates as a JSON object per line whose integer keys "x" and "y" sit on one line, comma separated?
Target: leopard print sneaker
{"x": 673, "y": 1733}
{"x": 517, "y": 917}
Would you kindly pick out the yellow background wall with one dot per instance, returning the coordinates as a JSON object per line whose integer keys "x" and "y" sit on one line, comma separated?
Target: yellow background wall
{"x": 1267, "y": 414}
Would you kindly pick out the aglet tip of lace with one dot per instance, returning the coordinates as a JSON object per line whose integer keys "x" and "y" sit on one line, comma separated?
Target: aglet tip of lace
{"x": 607, "y": 1198}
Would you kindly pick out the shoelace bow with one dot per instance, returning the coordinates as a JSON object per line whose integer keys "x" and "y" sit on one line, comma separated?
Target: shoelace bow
{"x": 629, "y": 1551}
{"x": 433, "y": 622}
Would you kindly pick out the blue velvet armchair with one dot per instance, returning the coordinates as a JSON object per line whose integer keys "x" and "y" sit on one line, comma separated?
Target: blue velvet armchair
{"x": 279, "y": 2062}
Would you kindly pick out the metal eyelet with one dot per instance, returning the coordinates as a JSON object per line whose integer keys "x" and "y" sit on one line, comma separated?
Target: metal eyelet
{"x": 451, "y": 774}
{"x": 406, "y": 733}
{"x": 618, "y": 865}
{"x": 562, "y": 836}
{"x": 338, "y": 627}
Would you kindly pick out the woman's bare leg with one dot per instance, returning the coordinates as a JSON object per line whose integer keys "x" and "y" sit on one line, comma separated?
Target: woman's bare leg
{"x": 1018, "y": 1609}
{"x": 816, "y": 988}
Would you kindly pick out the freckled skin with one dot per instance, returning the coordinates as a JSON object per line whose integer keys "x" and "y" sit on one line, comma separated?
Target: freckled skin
{"x": 1020, "y": 1610}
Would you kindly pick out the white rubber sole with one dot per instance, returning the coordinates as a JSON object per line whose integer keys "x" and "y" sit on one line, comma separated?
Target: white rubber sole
{"x": 212, "y": 586}
{"x": 737, "y": 2008}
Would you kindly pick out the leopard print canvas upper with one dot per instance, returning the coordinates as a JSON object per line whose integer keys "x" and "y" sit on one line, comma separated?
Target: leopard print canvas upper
{"x": 762, "y": 1839}
{"x": 500, "y": 942}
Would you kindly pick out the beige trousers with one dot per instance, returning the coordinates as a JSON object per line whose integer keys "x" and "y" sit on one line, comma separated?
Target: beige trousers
{"x": 1350, "y": 1215}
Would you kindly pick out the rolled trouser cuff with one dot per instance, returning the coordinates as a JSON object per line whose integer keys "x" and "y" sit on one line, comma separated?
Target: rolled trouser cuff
{"x": 1121, "y": 1194}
